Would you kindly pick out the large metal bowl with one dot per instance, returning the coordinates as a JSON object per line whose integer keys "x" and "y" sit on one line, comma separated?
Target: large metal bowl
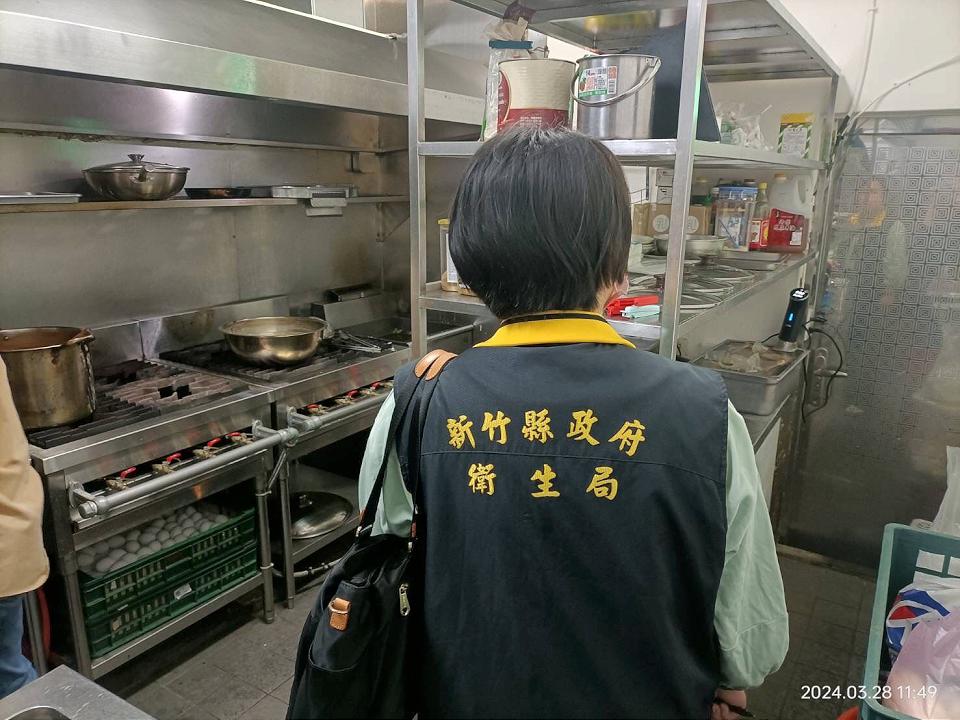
{"x": 276, "y": 340}
{"x": 136, "y": 180}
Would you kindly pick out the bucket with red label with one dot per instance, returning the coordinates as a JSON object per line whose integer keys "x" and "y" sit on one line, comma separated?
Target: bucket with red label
{"x": 535, "y": 92}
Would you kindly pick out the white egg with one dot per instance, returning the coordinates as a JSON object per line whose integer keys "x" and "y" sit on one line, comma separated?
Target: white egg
{"x": 143, "y": 552}
{"x": 117, "y": 541}
{"x": 163, "y": 535}
{"x": 205, "y": 525}
{"x": 155, "y": 545}
{"x": 189, "y": 532}
{"x": 101, "y": 547}
{"x": 147, "y": 538}
{"x": 220, "y": 518}
{"x": 132, "y": 546}
{"x": 132, "y": 534}
{"x": 104, "y": 565}
{"x": 168, "y": 542}
{"x": 85, "y": 557}
{"x": 117, "y": 553}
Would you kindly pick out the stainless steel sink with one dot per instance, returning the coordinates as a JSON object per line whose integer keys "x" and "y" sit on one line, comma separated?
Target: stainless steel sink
{"x": 39, "y": 713}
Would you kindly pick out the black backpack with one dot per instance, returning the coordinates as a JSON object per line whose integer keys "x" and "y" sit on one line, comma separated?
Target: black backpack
{"x": 352, "y": 656}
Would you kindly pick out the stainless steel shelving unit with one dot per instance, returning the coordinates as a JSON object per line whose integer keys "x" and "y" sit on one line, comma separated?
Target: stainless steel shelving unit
{"x": 729, "y": 40}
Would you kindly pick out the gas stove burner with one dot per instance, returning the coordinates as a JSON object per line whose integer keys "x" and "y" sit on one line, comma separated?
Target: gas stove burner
{"x": 217, "y": 357}
{"x": 133, "y": 391}
{"x": 379, "y": 388}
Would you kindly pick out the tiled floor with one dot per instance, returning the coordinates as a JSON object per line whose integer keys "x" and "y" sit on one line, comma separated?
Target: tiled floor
{"x": 234, "y": 666}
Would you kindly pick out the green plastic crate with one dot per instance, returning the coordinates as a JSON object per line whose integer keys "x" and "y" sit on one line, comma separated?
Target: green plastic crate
{"x": 109, "y": 593}
{"x": 898, "y": 563}
{"x": 139, "y": 618}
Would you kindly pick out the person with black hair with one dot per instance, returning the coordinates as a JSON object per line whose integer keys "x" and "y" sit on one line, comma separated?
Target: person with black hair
{"x": 593, "y": 535}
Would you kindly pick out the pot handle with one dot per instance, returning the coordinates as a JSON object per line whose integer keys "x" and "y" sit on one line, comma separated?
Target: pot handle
{"x": 83, "y": 335}
{"x": 646, "y": 75}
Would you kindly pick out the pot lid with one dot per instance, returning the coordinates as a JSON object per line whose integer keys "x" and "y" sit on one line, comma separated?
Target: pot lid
{"x": 136, "y": 162}
{"x": 317, "y": 513}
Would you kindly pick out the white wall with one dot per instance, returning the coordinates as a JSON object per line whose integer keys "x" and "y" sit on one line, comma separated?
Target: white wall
{"x": 909, "y": 36}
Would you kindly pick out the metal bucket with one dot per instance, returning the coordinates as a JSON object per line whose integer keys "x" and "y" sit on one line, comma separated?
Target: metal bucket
{"x": 535, "y": 92}
{"x": 615, "y": 95}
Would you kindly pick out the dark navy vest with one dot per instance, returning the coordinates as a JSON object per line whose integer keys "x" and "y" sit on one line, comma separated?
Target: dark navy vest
{"x": 572, "y": 525}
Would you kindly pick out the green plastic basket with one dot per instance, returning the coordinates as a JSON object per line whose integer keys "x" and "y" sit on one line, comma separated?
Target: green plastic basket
{"x": 898, "y": 563}
{"x": 138, "y": 618}
{"x": 111, "y": 592}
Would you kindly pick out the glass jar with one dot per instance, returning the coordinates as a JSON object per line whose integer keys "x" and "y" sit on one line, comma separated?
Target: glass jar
{"x": 449, "y": 278}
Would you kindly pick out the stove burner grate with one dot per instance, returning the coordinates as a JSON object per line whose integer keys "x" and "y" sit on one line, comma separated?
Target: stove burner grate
{"x": 217, "y": 357}
{"x": 133, "y": 391}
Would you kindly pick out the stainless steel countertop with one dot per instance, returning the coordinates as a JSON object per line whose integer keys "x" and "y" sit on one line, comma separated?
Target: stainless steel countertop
{"x": 70, "y": 694}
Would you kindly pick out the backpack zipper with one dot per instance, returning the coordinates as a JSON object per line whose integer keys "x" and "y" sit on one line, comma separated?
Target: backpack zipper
{"x": 404, "y": 600}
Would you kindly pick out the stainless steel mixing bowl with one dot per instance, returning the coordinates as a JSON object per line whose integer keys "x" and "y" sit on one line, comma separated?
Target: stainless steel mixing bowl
{"x": 276, "y": 340}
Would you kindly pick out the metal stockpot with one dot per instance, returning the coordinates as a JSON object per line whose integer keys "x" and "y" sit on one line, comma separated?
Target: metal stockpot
{"x": 50, "y": 373}
{"x": 614, "y": 95}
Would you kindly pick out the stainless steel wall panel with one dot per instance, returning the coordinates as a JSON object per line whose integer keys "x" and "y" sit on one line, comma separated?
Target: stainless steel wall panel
{"x": 288, "y": 252}
{"x": 97, "y": 267}
{"x": 52, "y": 103}
{"x": 289, "y": 57}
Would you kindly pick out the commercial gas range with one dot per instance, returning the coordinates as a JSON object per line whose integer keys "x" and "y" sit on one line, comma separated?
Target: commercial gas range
{"x": 161, "y": 439}
{"x": 334, "y": 394}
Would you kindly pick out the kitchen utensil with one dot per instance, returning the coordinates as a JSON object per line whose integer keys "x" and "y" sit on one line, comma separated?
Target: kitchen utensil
{"x": 615, "y": 95}
{"x": 615, "y": 308}
{"x": 136, "y": 179}
{"x": 217, "y": 193}
{"x": 276, "y": 340}
{"x": 698, "y": 246}
{"x": 534, "y": 92}
{"x": 302, "y": 192}
{"x": 50, "y": 374}
{"x": 317, "y": 513}
{"x": 753, "y": 260}
{"x": 40, "y": 198}
{"x": 758, "y": 378}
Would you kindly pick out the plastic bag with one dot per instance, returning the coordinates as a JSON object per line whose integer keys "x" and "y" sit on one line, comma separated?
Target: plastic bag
{"x": 948, "y": 516}
{"x": 926, "y": 599}
{"x": 740, "y": 125}
{"x": 924, "y": 679}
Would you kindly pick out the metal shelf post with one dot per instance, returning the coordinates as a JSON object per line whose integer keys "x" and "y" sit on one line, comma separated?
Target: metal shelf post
{"x": 682, "y": 173}
{"x": 416, "y": 128}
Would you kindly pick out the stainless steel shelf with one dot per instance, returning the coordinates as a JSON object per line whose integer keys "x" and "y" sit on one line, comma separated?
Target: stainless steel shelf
{"x": 645, "y": 332}
{"x": 436, "y": 299}
{"x": 95, "y": 205}
{"x": 111, "y": 661}
{"x": 659, "y": 152}
{"x": 744, "y": 39}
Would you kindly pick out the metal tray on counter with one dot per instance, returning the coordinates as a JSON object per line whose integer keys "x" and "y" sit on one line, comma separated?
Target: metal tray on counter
{"x": 759, "y": 392}
{"x": 40, "y": 198}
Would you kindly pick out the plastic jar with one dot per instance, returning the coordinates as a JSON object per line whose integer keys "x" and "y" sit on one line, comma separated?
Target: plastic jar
{"x": 734, "y": 211}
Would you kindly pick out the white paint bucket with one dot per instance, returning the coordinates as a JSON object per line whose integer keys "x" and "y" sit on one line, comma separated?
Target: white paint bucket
{"x": 535, "y": 92}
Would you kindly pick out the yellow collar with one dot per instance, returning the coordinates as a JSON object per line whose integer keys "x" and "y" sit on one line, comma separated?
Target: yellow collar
{"x": 556, "y": 331}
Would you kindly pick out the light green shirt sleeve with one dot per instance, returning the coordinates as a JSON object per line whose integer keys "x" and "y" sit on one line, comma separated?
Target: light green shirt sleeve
{"x": 396, "y": 506}
{"x": 750, "y": 616}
